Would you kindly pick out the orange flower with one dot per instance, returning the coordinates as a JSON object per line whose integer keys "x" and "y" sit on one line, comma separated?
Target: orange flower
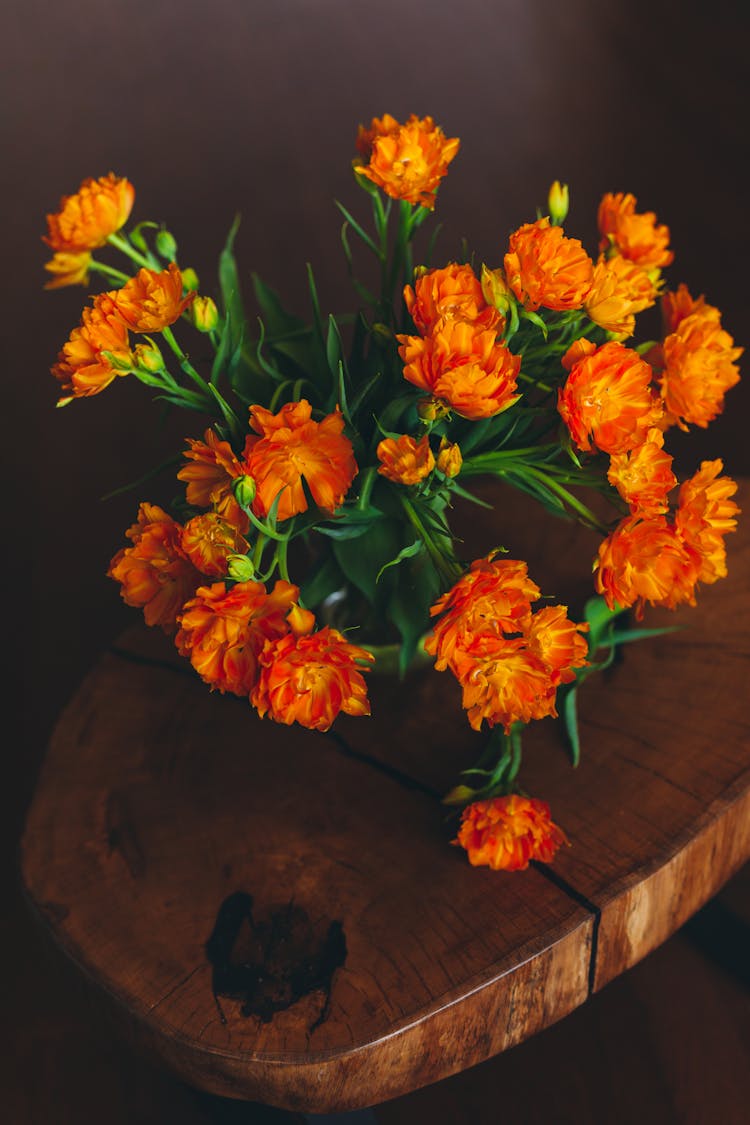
{"x": 222, "y": 631}
{"x": 82, "y": 368}
{"x": 699, "y": 368}
{"x": 675, "y": 307}
{"x": 705, "y": 514}
{"x": 464, "y": 366}
{"x": 450, "y": 293}
{"x": 631, "y": 234}
{"x": 494, "y": 596}
{"x": 502, "y": 681}
{"x": 293, "y": 446}
{"x": 543, "y": 267}
{"x": 68, "y": 268}
{"x": 449, "y": 458}
{"x": 505, "y": 833}
{"x": 577, "y": 351}
{"x": 620, "y": 290}
{"x": 405, "y": 460}
{"x": 209, "y": 474}
{"x": 645, "y": 560}
{"x": 152, "y": 300}
{"x": 86, "y": 220}
{"x": 310, "y": 679}
{"x": 208, "y": 540}
{"x": 406, "y": 161}
{"x": 608, "y": 399}
{"x": 558, "y": 642}
{"x": 155, "y": 572}
{"x": 643, "y": 476}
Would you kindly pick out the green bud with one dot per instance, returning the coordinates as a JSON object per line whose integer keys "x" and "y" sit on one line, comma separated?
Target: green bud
{"x": 558, "y": 202}
{"x": 244, "y": 490}
{"x": 119, "y": 361}
{"x": 190, "y": 280}
{"x": 166, "y": 247}
{"x": 240, "y": 568}
{"x": 382, "y": 333}
{"x": 204, "y": 314}
{"x": 149, "y": 358}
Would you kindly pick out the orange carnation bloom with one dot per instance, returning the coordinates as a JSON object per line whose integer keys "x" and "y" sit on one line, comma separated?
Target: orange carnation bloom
{"x": 212, "y": 466}
{"x": 152, "y": 299}
{"x": 645, "y": 560}
{"x": 577, "y": 351}
{"x": 464, "y": 366}
{"x": 208, "y": 540}
{"x": 451, "y": 293}
{"x": 82, "y": 368}
{"x": 86, "y": 220}
{"x": 633, "y": 235}
{"x": 699, "y": 368}
{"x": 405, "y": 460}
{"x": 310, "y": 679}
{"x": 293, "y": 446}
{"x": 620, "y": 289}
{"x": 643, "y": 476}
{"x": 155, "y": 572}
{"x": 505, "y": 833}
{"x": 68, "y": 268}
{"x": 502, "y": 681}
{"x": 608, "y": 399}
{"x": 406, "y": 161}
{"x": 222, "y": 631}
{"x": 705, "y": 514}
{"x": 675, "y": 307}
{"x": 558, "y": 642}
{"x": 543, "y": 267}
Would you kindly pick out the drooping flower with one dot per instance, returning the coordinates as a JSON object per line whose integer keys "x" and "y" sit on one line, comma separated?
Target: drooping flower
{"x": 645, "y": 560}
{"x": 208, "y": 540}
{"x": 405, "y": 460}
{"x": 705, "y": 514}
{"x": 544, "y": 268}
{"x": 620, "y": 289}
{"x": 292, "y": 446}
{"x": 311, "y": 678}
{"x": 634, "y": 235}
{"x": 406, "y": 161}
{"x": 82, "y": 366}
{"x": 677, "y": 305}
{"x": 506, "y": 833}
{"x": 607, "y": 399}
{"x": 68, "y": 267}
{"x": 155, "y": 573}
{"x": 451, "y": 293}
{"x": 222, "y": 631}
{"x": 212, "y": 467}
{"x": 152, "y": 300}
{"x": 503, "y": 682}
{"x": 643, "y": 476}
{"x": 86, "y": 220}
{"x": 699, "y": 368}
{"x": 463, "y": 366}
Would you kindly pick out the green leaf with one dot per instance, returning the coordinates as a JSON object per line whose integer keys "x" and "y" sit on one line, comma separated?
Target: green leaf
{"x": 570, "y": 718}
{"x": 322, "y": 580}
{"x": 535, "y": 318}
{"x": 144, "y": 479}
{"x": 277, "y": 321}
{"x": 405, "y": 553}
{"x": 358, "y": 230}
{"x": 361, "y": 559}
{"x": 229, "y": 284}
{"x": 599, "y": 618}
{"x": 457, "y": 490}
{"x": 228, "y": 414}
{"x": 136, "y": 235}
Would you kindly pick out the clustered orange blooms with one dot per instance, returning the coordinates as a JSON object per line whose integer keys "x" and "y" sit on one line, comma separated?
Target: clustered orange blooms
{"x": 407, "y": 161}
{"x": 99, "y": 349}
{"x": 506, "y": 833}
{"x": 457, "y": 357}
{"x": 508, "y": 660}
{"x": 84, "y": 222}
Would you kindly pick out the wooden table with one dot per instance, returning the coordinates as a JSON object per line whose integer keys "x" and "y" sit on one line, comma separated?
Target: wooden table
{"x": 168, "y": 821}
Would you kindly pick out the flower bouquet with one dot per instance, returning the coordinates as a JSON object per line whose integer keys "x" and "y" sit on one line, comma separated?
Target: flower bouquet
{"x": 313, "y": 540}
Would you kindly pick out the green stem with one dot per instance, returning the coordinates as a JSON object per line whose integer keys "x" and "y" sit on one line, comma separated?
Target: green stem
{"x": 185, "y": 363}
{"x": 567, "y": 497}
{"x": 257, "y": 555}
{"x": 369, "y": 476}
{"x": 124, "y": 246}
{"x": 450, "y": 570}
{"x": 109, "y": 271}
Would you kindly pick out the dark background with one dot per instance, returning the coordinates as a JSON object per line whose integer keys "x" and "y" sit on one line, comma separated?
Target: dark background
{"x": 211, "y": 108}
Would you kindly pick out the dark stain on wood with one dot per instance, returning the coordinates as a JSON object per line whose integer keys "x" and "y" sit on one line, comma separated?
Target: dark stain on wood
{"x": 271, "y": 963}
{"x": 121, "y": 835}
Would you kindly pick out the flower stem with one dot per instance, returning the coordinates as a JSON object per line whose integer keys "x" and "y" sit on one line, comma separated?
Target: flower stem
{"x": 124, "y": 246}
{"x": 109, "y": 271}
{"x": 185, "y": 363}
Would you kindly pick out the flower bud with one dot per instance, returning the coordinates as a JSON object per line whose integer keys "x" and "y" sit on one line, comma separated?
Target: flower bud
{"x": 204, "y": 314}
{"x": 189, "y": 280}
{"x": 449, "y": 459}
{"x": 166, "y": 247}
{"x": 432, "y": 409}
{"x": 495, "y": 290}
{"x": 244, "y": 490}
{"x": 558, "y": 202}
{"x": 382, "y": 333}
{"x": 240, "y": 568}
{"x": 119, "y": 361}
{"x": 149, "y": 358}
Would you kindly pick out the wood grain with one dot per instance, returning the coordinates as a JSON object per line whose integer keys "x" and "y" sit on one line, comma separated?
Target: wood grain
{"x": 158, "y": 800}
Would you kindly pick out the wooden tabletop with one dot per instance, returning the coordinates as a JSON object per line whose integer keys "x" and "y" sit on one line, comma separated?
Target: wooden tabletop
{"x": 169, "y": 824}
